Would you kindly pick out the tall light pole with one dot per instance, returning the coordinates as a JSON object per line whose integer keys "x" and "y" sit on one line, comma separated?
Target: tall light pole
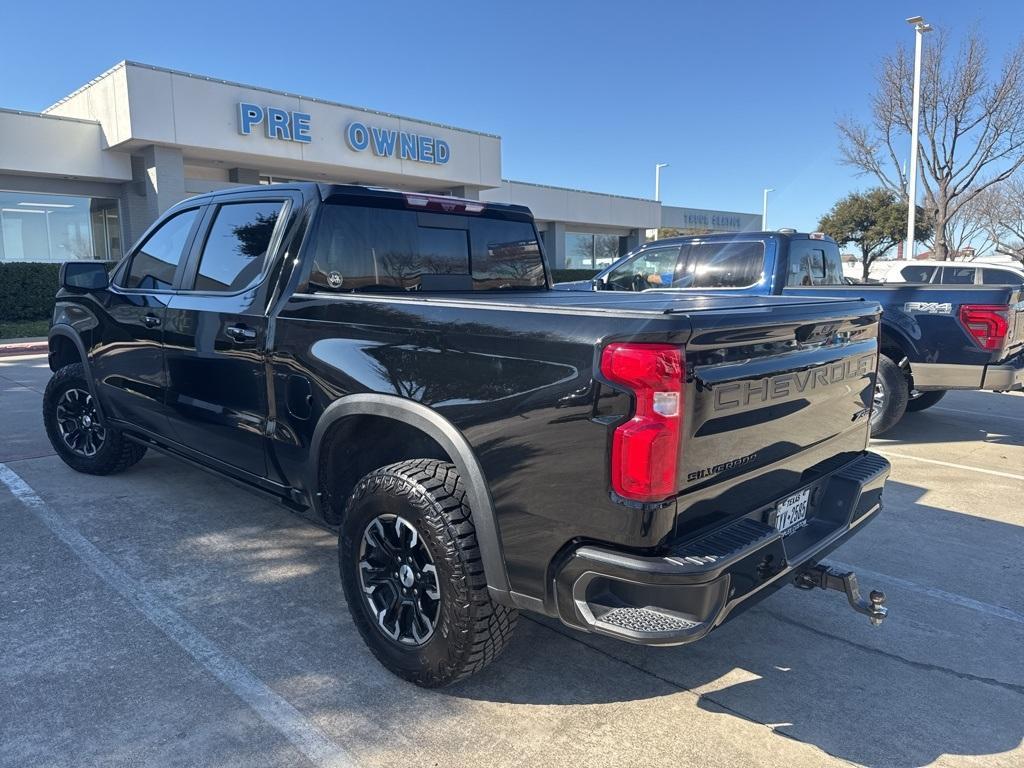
{"x": 764, "y": 209}
{"x": 920, "y": 27}
{"x": 657, "y": 179}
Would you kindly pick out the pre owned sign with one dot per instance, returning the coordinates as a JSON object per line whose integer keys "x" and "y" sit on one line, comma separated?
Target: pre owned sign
{"x": 285, "y": 125}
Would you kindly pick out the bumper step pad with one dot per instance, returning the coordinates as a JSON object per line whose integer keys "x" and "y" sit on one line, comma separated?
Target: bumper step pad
{"x": 725, "y": 543}
{"x": 645, "y": 620}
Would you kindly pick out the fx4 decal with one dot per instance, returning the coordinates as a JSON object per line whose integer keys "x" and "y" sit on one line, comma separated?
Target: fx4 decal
{"x": 929, "y": 307}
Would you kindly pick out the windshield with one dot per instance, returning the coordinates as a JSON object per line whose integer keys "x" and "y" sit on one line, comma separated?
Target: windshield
{"x": 363, "y": 248}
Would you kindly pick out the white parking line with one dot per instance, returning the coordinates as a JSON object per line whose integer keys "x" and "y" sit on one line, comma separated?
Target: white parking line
{"x": 995, "y": 472}
{"x": 272, "y": 708}
{"x": 940, "y": 594}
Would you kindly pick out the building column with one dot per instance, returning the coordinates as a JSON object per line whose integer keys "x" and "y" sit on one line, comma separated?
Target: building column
{"x": 633, "y": 240}
{"x": 158, "y": 182}
{"x": 243, "y": 176}
{"x": 554, "y": 244}
{"x": 466, "y": 193}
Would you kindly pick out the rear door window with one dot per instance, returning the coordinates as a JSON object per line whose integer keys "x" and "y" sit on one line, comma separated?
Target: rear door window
{"x": 363, "y": 248}
{"x": 722, "y": 265}
{"x": 236, "y": 246}
{"x": 155, "y": 262}
{"x": 957, "y": 276}
{"x": 915, "y": 274}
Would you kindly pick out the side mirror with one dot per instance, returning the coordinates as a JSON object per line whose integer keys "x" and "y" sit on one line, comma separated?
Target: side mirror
{"x": 598, "y": 284}
{"x": 84, "y": 275}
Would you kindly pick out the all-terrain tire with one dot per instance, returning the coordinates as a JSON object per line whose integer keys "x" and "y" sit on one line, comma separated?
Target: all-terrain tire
{"x": 925, "y": 400}
{"x": 470, "y": 630}
{"x": 891, "y": 395}
{"x": 112, "y": 454}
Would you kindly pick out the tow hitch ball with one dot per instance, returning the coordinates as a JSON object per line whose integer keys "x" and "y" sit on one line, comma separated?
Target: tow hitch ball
{"x": 826, "y": 577}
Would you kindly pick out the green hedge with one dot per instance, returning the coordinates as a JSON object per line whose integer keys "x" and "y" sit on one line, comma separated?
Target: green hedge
{"x": 568, "y": 275}
{"x": 27, "y": 291}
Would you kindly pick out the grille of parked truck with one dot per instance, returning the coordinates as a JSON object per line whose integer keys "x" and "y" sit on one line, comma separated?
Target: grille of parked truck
{"x": 640, "y": 465}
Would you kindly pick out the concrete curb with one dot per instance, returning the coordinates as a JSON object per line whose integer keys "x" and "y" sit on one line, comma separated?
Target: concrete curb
{"x": 9, "y": 349}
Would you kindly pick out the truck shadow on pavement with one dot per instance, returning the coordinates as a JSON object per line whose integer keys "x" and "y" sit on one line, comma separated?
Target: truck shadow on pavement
{"x": 935, "y": 426}
{"x": 936, "y": 679}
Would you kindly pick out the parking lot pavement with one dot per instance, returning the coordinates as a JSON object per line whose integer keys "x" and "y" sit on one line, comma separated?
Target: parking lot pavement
{"x": 167, "y": 617}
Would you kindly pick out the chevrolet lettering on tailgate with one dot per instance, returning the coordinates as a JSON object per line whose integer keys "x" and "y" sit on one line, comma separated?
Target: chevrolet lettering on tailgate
{"x": 737, "y": 394}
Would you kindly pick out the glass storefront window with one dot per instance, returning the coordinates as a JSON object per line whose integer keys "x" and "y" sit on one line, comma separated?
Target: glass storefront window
{"x": 587, "y": 251}
{"x": 579, "y": 251}
{"x": 606, "y": 250}
{"x": 58, "y": 228}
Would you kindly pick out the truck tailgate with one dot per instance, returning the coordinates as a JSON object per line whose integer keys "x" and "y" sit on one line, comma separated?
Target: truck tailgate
{"x": 769, "y": 404}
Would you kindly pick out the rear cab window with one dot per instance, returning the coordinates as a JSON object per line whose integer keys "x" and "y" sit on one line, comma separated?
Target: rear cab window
{"x": 389, "y": 249}
{"x": 814, "y": 262}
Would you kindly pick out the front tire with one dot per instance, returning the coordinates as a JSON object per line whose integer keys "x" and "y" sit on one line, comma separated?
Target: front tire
{"x": 923, "y": 400}
{"x": 890, "y": 398}
{"x": 413, "y": 575}
{"x": 75, "y": 431}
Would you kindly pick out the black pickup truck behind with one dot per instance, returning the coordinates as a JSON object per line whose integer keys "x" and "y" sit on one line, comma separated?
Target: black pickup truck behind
{"x": 933, "y": 337}
{"x": 639, "y": 465}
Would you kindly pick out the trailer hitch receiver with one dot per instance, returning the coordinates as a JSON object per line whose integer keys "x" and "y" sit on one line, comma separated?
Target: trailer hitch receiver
{"x": 825, "y": 577}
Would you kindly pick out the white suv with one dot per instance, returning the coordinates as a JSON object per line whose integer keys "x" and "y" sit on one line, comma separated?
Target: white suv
{"x": 950, "y": 273}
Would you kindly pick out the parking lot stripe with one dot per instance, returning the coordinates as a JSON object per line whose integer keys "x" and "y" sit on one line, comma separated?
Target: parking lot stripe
{"x": 995, "y": 472}
{"x": 939, "y": 594}
{"x": 271, "y": 707}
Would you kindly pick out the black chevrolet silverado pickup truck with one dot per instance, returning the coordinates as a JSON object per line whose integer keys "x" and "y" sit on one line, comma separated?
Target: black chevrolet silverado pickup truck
{"x": 640, "y": 466}
{"x": 933, "y": 337}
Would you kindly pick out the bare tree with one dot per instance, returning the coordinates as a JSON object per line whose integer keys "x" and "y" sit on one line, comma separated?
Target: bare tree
{"x": 967, "y": 230}
{"x": 1002, "y": 213}
{"x": 971, "y": 128}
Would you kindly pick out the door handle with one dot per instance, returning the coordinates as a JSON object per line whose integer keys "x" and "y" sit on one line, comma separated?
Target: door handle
{"x": 150, "y": 321}
{"x": 240, "y": 332}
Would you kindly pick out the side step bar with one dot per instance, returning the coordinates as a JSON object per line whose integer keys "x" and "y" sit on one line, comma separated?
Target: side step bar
{"x": 822, "y": 576}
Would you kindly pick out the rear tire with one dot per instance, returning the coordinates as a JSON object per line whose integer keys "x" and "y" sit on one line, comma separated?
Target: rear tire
{"x": 73, "y": 426}
{"x": 925, "y": 400}
{"x": 413, "y": 575}
{"x": 891, "y": 395}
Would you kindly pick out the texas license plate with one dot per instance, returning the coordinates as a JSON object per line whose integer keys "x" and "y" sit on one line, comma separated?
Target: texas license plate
{"x": 791, "y": 512}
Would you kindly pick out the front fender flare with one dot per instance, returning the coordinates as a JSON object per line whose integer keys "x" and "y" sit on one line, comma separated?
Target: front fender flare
{"x": 455, "y": 445}
{"x": 68, "y": 332}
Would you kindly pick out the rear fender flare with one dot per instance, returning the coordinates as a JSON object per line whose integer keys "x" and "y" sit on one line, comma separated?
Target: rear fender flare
{"x": 446, "y": 435}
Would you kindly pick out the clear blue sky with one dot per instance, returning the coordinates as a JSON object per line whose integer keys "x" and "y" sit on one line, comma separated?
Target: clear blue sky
{"x": 737, "y": 96}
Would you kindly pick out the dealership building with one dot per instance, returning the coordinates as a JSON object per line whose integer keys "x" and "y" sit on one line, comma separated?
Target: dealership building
{"x": 84, "y": 178}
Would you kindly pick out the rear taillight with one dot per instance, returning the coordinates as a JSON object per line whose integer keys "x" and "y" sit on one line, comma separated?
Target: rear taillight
{"x": 988, "y": 324}
{"x": 645, "y": 450}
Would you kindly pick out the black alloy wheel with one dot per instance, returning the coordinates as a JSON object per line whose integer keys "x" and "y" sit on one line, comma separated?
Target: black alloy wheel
{"x": 78, "y": 423}
{"x": 399, "y": 580}
{"x": 413, "y": 574}
{"x": 76, "y": 430}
